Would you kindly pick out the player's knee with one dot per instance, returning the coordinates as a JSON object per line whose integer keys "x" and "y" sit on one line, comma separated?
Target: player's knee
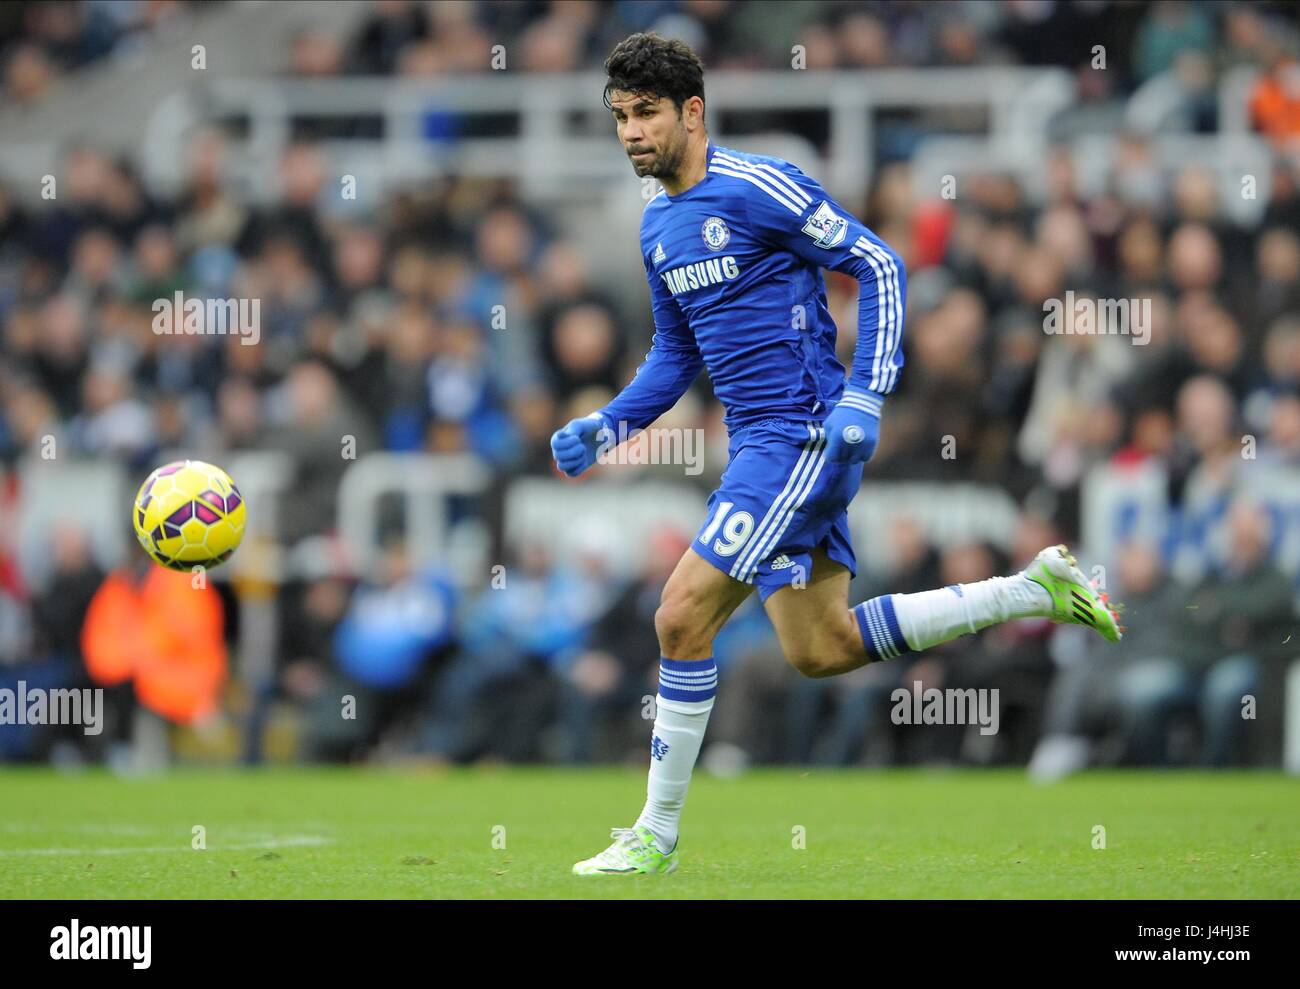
{"x": 678, "y": 628}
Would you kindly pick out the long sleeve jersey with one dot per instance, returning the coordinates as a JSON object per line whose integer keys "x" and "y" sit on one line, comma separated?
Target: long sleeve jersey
{"x": 734, "y": 265}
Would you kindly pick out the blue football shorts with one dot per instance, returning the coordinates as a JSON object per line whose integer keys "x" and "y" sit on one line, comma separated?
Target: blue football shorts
{"x": 779, "y": 499}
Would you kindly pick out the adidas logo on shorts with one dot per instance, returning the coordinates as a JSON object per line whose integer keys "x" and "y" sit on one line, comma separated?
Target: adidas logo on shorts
{"x": 782, "y": 562}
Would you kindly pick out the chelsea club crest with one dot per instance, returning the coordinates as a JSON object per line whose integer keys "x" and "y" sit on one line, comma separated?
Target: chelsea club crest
{"x": 715, "y": 233}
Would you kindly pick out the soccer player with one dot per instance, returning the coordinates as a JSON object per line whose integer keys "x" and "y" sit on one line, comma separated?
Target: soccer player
{"x": 733, "y": 245}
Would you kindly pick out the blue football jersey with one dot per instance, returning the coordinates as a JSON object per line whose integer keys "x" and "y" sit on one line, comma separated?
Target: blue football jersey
{"x": 734, "y": 265}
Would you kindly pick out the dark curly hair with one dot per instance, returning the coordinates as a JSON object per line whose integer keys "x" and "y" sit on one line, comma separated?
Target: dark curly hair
{"x": 655, "y": 66}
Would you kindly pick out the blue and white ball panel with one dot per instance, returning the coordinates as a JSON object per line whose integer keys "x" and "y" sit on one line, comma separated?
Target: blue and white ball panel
{"x": 780, "y": 499}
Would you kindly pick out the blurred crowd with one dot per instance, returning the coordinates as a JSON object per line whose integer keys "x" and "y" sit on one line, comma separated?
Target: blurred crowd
{"x": 379, "y": 327}
{"x": 1143, "y": 41}
{"x": 1184, "y": 43}
{"x": 42, "y": 42}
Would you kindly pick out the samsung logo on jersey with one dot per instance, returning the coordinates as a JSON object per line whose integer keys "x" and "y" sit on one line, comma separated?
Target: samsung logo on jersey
{"x": 700, "y": 274}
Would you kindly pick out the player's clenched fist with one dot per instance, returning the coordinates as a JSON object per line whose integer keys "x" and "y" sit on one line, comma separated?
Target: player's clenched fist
{"x": 575, "y": 446}
{"x": 853, "y": 427}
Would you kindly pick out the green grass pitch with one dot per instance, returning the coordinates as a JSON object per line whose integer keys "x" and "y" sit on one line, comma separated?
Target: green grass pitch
{"x": 356, "y": 833}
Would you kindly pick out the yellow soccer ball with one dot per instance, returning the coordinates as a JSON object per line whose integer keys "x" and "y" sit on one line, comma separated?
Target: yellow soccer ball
{"x": 189, "y": 514}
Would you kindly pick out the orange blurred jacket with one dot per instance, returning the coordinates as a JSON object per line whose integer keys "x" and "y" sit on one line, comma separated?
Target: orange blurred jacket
{"x": 164, "y": 633}
{"x": 1275, "y": 107}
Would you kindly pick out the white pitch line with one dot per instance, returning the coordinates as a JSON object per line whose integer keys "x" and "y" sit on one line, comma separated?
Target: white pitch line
{"x": 293, "y": 841}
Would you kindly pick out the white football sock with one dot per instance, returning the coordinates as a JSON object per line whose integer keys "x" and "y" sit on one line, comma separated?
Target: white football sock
{"x": 686, "y": 691}
{"x": 930, "y": 617}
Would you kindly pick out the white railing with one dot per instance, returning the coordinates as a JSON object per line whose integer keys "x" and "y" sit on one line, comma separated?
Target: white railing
{"x": 559, "y": 144}
{"x": 560, "y": 138}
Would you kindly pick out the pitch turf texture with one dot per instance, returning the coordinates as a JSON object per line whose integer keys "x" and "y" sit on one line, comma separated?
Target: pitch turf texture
{"x": 340, "y": 833}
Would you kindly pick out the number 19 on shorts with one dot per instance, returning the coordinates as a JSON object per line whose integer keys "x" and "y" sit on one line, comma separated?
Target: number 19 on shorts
{"x": 735, "y": 530}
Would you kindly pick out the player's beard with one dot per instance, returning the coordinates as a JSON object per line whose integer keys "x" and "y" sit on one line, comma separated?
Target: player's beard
{"x": 668, "y": 163}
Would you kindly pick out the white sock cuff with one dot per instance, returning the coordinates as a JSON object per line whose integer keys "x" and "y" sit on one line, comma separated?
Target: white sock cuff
{"x": 683, "y": 707}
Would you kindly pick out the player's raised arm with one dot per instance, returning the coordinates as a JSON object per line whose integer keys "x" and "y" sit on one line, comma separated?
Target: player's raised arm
{"x": 670, "y": 366}
{"x": 791, "y": 210}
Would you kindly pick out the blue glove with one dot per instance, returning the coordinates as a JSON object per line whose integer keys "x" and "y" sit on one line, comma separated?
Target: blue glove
{"x": 576, "y": 445}
{"x": 853, "y": 427}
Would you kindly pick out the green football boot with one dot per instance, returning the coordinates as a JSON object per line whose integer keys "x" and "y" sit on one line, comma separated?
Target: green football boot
{"x": 1075, "y": 599}
{"x": 634, "y": 852}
